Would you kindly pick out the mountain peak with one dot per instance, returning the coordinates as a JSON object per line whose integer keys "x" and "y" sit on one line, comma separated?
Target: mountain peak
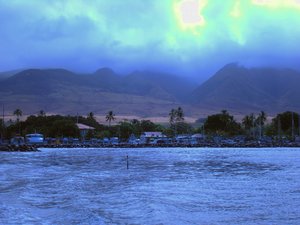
{"x": 105, "y": 70}
{"x": 240, "y": 88}
{"x": 231, "y": 67}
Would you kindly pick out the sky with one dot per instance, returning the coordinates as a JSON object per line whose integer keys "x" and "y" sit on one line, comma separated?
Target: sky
{"x": 184, "y": 37}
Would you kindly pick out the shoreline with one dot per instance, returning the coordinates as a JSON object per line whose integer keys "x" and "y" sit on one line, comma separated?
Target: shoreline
{"x": 35, "y": 148}
{"x": 18, "y": 148}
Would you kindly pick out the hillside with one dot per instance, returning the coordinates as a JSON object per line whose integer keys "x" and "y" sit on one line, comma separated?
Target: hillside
{"x": 238, "y": 89}
{"x": 62, "y": 91}
{"x": 242, "y": 90}
{"x": 6, "y": 74}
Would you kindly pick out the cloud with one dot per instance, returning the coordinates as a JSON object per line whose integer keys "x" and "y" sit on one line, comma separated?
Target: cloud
{"x": 134, "y": 34}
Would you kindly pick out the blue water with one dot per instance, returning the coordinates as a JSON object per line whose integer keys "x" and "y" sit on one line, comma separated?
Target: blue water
{"x": 161, "y": 186}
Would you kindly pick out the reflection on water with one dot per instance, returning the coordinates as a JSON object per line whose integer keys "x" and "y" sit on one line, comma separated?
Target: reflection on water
{"x": 162, "y": 186}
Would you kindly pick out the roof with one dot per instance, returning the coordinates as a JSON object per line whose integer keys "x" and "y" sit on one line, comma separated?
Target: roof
{"x": 198, "y": 135}
{"x": 153, "y": 134}
{"x": 84, "y": 127}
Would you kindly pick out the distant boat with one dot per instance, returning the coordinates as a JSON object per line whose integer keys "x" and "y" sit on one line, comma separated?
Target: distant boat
{"x": 34, "y": 138}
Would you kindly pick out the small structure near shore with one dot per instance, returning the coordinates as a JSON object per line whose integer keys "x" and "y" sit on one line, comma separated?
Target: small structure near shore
{"x": 84, "y": 129}
{"x": 17, "y": 140}
{"x": 147, "y": 137}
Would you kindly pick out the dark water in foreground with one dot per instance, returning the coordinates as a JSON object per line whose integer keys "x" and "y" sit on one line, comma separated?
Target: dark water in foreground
{"x": 162, "y": 186}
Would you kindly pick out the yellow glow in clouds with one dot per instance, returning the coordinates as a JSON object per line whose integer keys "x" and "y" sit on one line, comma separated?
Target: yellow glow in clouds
{"x": 278, "y": 3}
{"x": 189, "y": 13}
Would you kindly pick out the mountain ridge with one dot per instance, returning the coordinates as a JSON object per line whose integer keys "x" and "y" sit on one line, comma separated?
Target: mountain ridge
{"x": 63, "y": 91}
{"x": 236, "y": 88}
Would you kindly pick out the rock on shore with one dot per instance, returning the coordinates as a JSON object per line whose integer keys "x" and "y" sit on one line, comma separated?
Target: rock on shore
{"x": 18, "y": 148}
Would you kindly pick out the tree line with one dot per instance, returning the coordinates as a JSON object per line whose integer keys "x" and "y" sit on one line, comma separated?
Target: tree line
{"x": 221, "y": 124}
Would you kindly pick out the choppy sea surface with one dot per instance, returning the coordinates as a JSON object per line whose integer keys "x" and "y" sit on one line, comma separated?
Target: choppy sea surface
{"x": 161, "y": 186}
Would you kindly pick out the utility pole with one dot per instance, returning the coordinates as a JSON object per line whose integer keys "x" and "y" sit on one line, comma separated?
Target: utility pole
{"x": 3, "y": 124}
{"x": 253, "y": 128}
{"x": 3, "y": 114}
{"x": 299, "y": 124}
{"x": 260, "y": 126}
{"x": 279, "y": 128}
{"x": 293, "y": 134}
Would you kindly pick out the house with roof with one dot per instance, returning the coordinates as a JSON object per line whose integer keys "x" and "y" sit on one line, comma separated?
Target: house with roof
{"x": 84, "y": 129}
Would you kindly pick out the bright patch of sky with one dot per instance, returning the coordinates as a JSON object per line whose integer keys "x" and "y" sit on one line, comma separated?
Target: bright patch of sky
{"x": 185, "y": 37}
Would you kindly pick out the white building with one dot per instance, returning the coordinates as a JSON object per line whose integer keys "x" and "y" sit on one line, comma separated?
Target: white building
{"x": 84, "y": 129}
{"x": 148, "y": 137}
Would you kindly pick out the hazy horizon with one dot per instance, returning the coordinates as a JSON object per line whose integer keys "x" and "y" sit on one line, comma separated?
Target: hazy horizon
{"x": 199, "y": 80}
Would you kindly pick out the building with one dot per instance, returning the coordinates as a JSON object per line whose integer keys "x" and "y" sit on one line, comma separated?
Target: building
{"x": 153, "y": 135}
{"x": 150, "y": 137}
{"x": 84, "y": 129}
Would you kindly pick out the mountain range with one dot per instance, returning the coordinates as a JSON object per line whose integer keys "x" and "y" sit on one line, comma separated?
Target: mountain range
{"x": 248, "y": 90}
{"x": 62, "y": 91}
{"x": 238, "y": 89}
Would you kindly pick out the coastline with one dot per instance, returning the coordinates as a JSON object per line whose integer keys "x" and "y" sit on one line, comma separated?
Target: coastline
{"x": 35, "y": 148}
{"x": 18, "y": 148}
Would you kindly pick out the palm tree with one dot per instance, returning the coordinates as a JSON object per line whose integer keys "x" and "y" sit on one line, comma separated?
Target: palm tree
{"x": 172, "y": 119}
{"x": 175, "y": 117}
{"x": 18, "y": 113}
{"x": 172, "y": 116}
{"x": 91, "y": 116}
{"x": 262, "y": 117}
{"x": 109, "y": 117}
{"x": 249, "y": 122}
{"x": 179, "y": 115}
{"x": 260, "y": 121}
{"x": 42, "y": 113}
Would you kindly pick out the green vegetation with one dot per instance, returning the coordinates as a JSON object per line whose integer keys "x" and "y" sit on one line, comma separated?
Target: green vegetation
{"x": 65, "y": 126}
{"x": 177, "y": 124}
{"x": 253, "y": 125}
{"x": 284, "y": 124}
{"x": 221, "y": 124}
{"x": 2, "y": 128}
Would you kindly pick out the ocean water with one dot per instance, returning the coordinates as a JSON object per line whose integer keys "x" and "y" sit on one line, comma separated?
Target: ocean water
{"x": 161, "y": 186}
